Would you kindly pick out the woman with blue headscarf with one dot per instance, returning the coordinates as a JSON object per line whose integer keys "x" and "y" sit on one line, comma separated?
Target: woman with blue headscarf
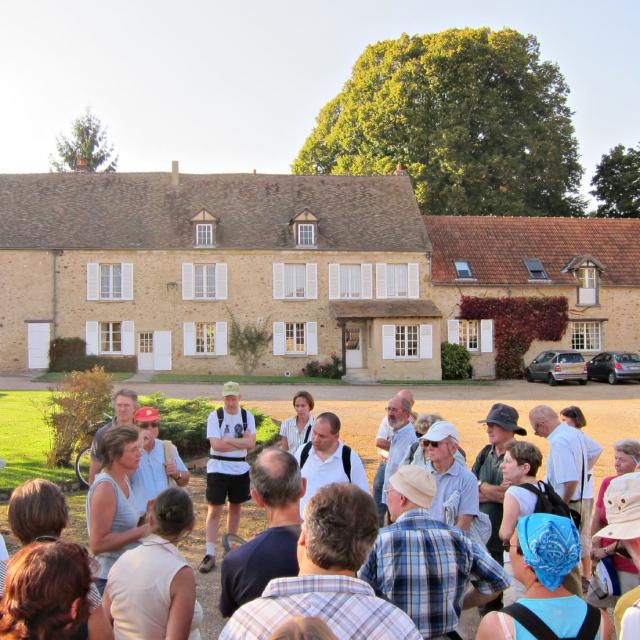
{"x": 543, "y": 549}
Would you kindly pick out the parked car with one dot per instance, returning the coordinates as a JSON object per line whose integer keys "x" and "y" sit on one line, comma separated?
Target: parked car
{"x": 557, "y": 366}
{"x": 614, "y": 366}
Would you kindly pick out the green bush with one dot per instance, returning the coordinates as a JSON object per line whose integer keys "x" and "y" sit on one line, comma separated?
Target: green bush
{"x": 184, "y": 422}
{"x": 327, "y": 369}
{"x": 69, "y": 354}
{"x": 455, "y": 362}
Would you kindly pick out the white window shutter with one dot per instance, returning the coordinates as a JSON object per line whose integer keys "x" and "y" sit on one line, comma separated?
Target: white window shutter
{"x": 413, "y": 271}
{"x": 311, "y": 288}
{"x": 486, "y": 336}
{"x": 381, "y": 281}
{"x": 366, "y": 289}
{"x": 93, "y": 281}
{"x": 388, "y": 341}
{"x": 278, "y": 281}
{"x": 188, "y": 281}
{"x": 453, "y": 332}
{"x": 221, "y": 338}
{"x": 278, "y": 338}
{"x": 312, "y": 338}
{"x": 127, "y": 281}
{"x": 92, "y": 337}
{"x": 334, "y": 281}
{"x": 426, "y": 341}
{"x": 221, "y": 284}
{"x": 128, "y": 338}
{"x": 189, "y": 338}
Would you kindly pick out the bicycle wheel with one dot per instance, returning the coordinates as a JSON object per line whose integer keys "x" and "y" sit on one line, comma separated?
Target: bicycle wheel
{"x": 83, "y": 460}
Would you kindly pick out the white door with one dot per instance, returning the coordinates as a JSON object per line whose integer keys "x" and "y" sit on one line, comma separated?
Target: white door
{"x": 38, "y": 337}
{"x": 354, "y": 348}
{"x": 145, "y": 351}
{"x": 162, "y": 350}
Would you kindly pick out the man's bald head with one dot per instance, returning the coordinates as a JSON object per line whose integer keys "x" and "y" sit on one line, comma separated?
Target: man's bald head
{"x": 406, "y": 394}
{"x": 543, "y": 419}
{"x": 275, "y": 477}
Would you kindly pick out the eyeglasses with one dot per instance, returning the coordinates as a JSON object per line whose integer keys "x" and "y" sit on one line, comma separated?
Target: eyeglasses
{"x": 430, "y": 443}
{"x": 148, "y": 425}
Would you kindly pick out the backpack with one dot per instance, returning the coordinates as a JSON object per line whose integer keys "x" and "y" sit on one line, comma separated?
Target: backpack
{"x": 548, "y": 501}
{"x": 243, "y": 415}
{"x": 346, "y": 458}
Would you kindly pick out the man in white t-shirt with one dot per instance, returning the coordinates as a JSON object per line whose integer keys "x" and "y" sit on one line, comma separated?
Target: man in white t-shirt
{"x": 326, "y": 460}
{"x": 231, "y": 432}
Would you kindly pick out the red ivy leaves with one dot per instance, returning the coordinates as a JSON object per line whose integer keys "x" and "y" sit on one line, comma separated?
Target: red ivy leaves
{"x": 516, "y": 323}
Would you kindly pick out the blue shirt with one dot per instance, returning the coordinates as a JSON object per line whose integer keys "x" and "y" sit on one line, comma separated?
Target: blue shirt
{"x": 424, "y": 567}
{"x": 457, "y": 491}
{"x": 401, "y": 440}
{"x": 149, "y": 480}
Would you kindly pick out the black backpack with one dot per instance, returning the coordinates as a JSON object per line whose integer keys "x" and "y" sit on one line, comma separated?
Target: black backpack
{"x": 548, "y": 501}
{"x": 537, "y": 627}
{"x": 346, "y": 458}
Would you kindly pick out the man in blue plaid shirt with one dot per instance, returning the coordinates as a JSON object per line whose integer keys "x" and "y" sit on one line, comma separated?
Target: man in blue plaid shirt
{"x": 424, "y": 566}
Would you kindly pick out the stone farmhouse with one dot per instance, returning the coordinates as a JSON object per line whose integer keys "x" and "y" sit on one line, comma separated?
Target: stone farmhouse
{"x": 159, "y": 265}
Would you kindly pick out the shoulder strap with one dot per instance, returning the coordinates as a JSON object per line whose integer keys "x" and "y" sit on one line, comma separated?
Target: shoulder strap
{"x": 220, "y": 414}
{"x": 530, "y": 621}
{"x": 307, "y": 433}
{"x": 531, "y": 487}
{"x": 304, "y": 454}
{"x": 346, "y": 461}
{"x": 168, "y": 451}
{"x": 243, "y": 415}
{"x": 590, "y": 624}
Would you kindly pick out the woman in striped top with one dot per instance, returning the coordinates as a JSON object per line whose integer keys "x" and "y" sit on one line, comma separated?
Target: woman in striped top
{"x": 297, "y": 430}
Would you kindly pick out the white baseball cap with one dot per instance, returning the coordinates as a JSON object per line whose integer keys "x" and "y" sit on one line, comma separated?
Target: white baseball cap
{"x": 440, "y": 430}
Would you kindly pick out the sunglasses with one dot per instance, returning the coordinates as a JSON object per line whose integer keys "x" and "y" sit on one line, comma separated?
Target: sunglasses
{"x": 430, "y": 443}
{"x": 148, "y": 425}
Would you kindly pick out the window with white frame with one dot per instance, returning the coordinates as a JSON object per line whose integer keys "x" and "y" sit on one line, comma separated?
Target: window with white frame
{"x": 306, "y": 234}
{"x": 295, "y": 280}
{"x": 294, "y": 337}
{"x": 468, "y": 334}
{"x": 586, "y": 336}
{"x": 407, "y": 341}
{"x": 205, "y": 338}
{"x": 397, "y": 281}
{"x": 110, "y": 281}
{"x": 204, "y": 281}
{"x": 350, "y": 281}
{"x": 110, "y": 337}
{"x": 204, "y": 234}
{"x": 145, "y": 342}
{"x": 587, "y": 285}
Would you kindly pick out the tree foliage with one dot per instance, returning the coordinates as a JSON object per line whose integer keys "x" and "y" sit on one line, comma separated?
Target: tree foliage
{"x": 479, "y": 121}
{"x": 248, "y": 343}
{"x": 87, "y": 147}
{"x": 617, "y": 183}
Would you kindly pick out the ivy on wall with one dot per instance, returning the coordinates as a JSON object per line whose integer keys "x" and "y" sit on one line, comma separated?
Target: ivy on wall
{"x": 516, "y": 323}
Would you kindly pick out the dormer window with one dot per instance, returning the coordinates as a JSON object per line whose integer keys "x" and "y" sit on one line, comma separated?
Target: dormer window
{"x": 587, "y": 271}
{"x": 463, "y": 270}
{"x": 204, "y": 229}
{"x": 305, "y": 229}
{"x": 306, "y": 234}
{"x": 536, "y": 270}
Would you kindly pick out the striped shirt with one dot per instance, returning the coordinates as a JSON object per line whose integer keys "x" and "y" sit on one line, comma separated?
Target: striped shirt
{"x": 424, "y": 567}
{"x": 295, "y": 438}
{"x": 348, "y": 605}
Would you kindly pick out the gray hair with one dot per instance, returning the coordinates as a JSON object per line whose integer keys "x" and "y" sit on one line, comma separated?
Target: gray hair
{"x": 628, "y": 446}
{"x": 425, "y": 420}
{"x": 340, "y": 525}
{"x": 276, "y": 478}
{"x": 127, "y": 393}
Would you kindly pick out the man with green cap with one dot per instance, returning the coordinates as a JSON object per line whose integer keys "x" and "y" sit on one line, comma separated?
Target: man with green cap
{"x": 231, "y": 431}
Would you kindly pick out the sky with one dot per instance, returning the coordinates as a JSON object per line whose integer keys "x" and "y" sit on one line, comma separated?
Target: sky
{"x": 227, "y": 87}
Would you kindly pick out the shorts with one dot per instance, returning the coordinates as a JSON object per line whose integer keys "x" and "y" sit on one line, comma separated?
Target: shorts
{"x": 223, "y": 486}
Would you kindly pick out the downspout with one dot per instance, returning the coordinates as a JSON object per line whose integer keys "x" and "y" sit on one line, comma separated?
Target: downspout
{"x": 54, "y": 293}
{"x": 341, "y": 324}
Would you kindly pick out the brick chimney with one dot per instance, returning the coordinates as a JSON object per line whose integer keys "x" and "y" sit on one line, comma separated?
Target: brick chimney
{"x": 81, "y": 166}
{"x": 400, "y": 170}
{"x": 175, "y": 174}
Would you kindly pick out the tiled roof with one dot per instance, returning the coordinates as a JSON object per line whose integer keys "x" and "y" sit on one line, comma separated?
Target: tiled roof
{"x": 496, "y": 247}
{"x": 143, "y": 210}
{"x": 388, "y": 309}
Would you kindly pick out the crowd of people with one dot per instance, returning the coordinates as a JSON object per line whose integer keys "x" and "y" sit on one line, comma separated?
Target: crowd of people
{"x": 336, "y": 560}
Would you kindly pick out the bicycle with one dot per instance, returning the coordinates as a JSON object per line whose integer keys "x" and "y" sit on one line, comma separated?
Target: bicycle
{"x": 83, "y": 458}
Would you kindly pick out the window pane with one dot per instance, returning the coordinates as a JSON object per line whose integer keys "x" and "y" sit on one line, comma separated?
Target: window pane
{"x": 350, "y": 281}
{"x": 407, "y": 341}
{"x": 205, "y": 281}
{"x": 145, "y": 342}
{"x": 205, "y": 337}
{"x": 462, "y": 269}
{"x": 110, "y": 337}
{"x": 116, "y": 281}
{"x": 468, "y": 334}
{"x": 587, "y": 277}
{"x": 294, "y": 280}
{"x": 105, "y": 281}
{"x": 204, "y": 235}
{"x": 306, "y": 234}
{"x": 585, "y": 336}
{"x": 294, "y": 337}
{"x": 397, "y": 280}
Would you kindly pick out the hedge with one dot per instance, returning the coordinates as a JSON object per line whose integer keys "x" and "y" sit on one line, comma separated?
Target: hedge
{"x": 69, "y": 354}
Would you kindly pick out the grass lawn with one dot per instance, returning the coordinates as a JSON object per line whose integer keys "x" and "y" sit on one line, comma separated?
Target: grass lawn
{"x": 186, "y": 377}
{"x": 55, "y": 376}
{"x": 24, "y": 439}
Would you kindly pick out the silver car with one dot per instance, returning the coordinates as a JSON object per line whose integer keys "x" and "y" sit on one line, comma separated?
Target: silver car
{"x": 557, "y": 366}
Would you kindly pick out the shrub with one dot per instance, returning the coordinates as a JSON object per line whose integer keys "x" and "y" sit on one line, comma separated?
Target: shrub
{"x": 81, "y": 401}
{"x": 328, "y": 369}
{"x": 456, "y": 361}
{"x": 247, "y": 344}
{"x": 184, "y": 422}
{"x": 69, "y": 354}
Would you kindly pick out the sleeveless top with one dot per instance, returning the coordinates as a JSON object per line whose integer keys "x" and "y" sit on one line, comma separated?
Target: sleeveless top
{"x": 126, "y": 517}
{"x": 563, "y": 616}
{"x": 139, "y": 588}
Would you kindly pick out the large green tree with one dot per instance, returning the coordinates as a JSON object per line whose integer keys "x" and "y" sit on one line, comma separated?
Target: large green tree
{"x": 479, "y": 121}
{"x": 86, "y": 148}
{"x": 617, "y": 183}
